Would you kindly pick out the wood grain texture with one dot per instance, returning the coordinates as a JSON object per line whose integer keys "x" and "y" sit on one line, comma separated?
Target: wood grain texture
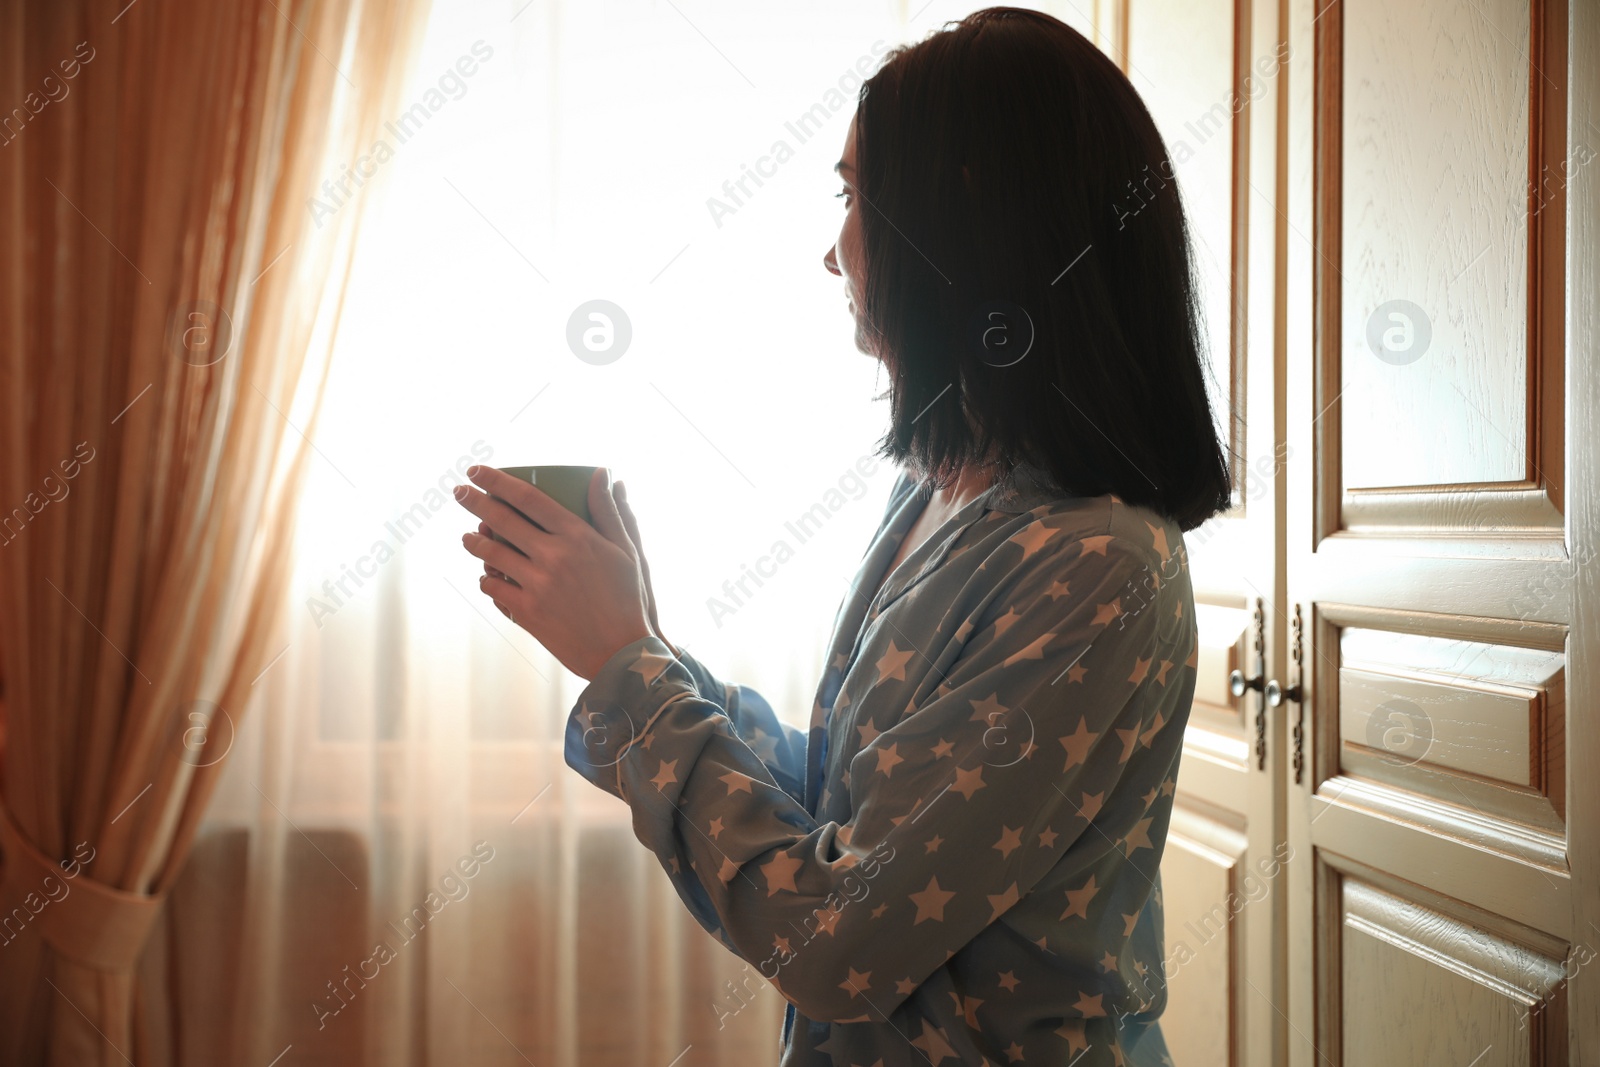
{"x": 1428, "y": 987}
{"x": 1435, "y": 132}
{"x": 1471, "y": 729}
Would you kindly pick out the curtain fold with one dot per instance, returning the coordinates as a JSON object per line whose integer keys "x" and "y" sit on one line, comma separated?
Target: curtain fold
{"x": 167, "y": 301}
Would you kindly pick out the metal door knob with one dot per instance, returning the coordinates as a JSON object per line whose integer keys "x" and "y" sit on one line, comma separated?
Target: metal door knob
{"x": 1238, "y": 684}
{"x": 1277, "y": 694}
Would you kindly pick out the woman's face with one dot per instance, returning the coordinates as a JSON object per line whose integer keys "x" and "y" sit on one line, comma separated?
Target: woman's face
{"x": 845, "y": 257}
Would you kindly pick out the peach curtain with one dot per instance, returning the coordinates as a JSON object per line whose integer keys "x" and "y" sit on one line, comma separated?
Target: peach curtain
{"x": 167, "y": 298}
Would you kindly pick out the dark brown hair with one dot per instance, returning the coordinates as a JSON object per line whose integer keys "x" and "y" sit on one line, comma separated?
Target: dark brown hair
{"x": 1028, "y": 271}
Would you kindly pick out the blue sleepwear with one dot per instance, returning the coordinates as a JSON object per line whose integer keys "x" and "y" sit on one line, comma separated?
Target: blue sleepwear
{"x": 958, "y": 864}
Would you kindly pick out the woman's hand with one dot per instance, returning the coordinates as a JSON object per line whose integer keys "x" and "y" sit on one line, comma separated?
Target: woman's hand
{"x": 626, "y": 537}
{"x": 578, "y": 591}
{"x": 630, "y": 530}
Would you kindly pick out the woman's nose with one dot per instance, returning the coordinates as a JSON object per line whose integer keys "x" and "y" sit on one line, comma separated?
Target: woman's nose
{"x": 831, "y": 262}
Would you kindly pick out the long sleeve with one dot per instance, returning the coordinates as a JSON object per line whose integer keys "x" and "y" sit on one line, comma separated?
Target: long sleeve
{"x": 1033, "y": 726}
{"x": 781, "y": 747}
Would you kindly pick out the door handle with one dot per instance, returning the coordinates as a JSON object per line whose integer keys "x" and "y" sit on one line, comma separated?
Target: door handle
{"x": 1277, "y": 694}
{"x": 1239, "y": 685}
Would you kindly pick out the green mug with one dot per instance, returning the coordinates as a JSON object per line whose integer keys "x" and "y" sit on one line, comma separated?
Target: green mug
{"x": 566, "y": 485}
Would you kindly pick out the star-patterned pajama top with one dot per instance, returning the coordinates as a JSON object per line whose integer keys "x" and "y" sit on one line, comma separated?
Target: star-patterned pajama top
{"x": 958, "y": 863}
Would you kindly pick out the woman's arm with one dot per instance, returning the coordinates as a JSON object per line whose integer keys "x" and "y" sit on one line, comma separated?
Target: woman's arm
{"x": 781, "y": 747}
{"x": 976, "y": 764}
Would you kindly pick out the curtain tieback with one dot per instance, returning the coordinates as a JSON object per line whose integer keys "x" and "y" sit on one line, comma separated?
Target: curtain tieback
{"x": 92, "y": 924}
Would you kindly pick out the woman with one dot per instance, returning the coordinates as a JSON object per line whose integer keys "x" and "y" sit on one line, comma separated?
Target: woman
{"x": 960, "y": 860}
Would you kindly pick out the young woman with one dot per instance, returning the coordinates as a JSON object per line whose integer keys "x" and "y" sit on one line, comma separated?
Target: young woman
{"x": 960, "y": 860}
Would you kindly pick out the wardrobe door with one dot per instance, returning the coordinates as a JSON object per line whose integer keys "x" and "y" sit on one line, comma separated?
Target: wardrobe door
{"x": 1209, "y": 71}
{"x": 1442, "y": 281}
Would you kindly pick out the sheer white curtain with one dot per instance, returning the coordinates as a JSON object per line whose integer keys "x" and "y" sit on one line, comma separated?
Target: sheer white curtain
{"x": 398, "y": 867}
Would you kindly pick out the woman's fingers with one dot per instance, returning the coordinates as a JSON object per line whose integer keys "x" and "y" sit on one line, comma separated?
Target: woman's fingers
{"x": 499, "y": 591}
{"x": 507, "y": 521}
{"x": 603, "y": 510}
{"x": 489, "y": 569}
{"x": 501, "y": 562}
{"x": 631, "y": 525}
{"x": 578, "y": 593}
{"x": 519, "y": 512}
{"x": 533, "y": 502}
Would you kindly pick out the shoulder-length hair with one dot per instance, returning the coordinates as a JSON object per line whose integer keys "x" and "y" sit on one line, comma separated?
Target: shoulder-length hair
{"x": 1029, "y": 281}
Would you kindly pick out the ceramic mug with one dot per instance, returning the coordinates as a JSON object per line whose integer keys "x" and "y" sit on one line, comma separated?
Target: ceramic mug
{"x": 566, "y": 485}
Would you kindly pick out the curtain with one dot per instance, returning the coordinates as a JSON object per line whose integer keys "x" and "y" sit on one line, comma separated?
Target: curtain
{"x": 166, "y": 302}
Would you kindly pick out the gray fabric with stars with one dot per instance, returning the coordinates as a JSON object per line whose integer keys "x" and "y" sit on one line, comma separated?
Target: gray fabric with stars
{"x": 958, "y": 863}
